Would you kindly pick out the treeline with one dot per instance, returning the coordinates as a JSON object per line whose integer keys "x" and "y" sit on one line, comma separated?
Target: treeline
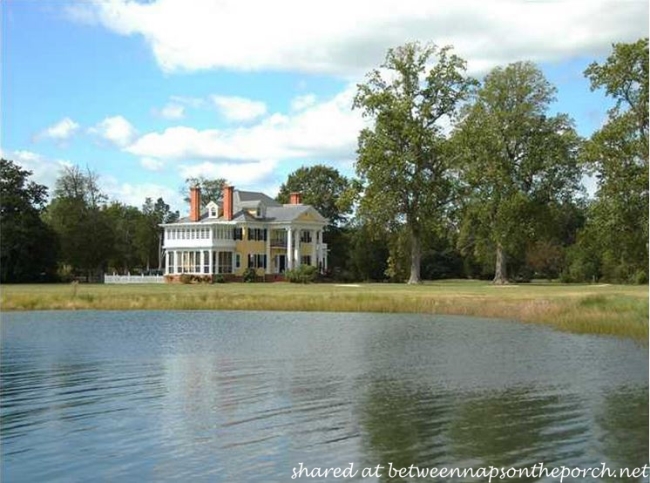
{"x": 79, "y": 234}
{"x": 455, "y": 178}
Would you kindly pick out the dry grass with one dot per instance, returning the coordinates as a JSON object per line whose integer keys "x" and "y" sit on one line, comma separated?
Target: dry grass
{"x": 596, "y": 309}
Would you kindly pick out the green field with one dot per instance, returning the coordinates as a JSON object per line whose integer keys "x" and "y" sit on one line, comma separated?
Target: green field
{"x": 598, "y": 309}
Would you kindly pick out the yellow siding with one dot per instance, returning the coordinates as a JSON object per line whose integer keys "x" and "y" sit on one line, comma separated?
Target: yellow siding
{"x": 246, "y": 247}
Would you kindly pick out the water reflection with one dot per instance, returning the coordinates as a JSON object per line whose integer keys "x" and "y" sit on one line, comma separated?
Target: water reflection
{"x": 248, "y": 396}
{"x": 623, "y": 423}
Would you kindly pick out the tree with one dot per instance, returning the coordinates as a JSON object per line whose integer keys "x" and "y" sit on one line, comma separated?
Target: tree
{"x": 321, "y": 186}
{"x": 124, "y": 222}
{"x": 517, "y": 162}
{"x": 618, "y": 154}
{"x": 211, "y": 189}
{"x": 149, "y": 233}
{"x": 28, "y": 245}
{"x": 403, "y": 161}
{"x": 78, "y": 215}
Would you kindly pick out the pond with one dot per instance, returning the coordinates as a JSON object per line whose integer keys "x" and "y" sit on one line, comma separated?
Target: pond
{"x": 249, "y": 396}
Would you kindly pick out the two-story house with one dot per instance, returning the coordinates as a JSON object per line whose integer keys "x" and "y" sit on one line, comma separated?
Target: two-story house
{"x": 244, "y": 229}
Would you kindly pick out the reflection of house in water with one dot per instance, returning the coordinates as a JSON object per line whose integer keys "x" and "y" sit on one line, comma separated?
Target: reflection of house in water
{"x": 245, "y": 230}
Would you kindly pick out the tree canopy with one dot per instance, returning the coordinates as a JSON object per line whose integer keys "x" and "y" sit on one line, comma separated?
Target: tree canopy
{"x": 27, "y": 245}
{"x": 403, "y": 161}
{"x": 323, "y": 187}
{"x": 517, "y": 160}
{"x": 618, "y": 154}
{"x": 211, "y": 189}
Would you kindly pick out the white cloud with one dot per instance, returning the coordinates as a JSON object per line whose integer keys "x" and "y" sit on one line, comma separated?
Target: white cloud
{"x": 239, "y": 109}
{"x": 172, "y": 112}
{"x": 347, "y": 38}
{"x": 299, "y": 103}
{"x": 134, "y": 194}
{"x": 61, "y": 131}
{"x": 152, "y": 164}
{"x": 237, "y": 174}
{"x": 194, "y": 102}
{"x": 44, "y": 170}
{"x": 326, "y": 131}
{"x": 116, "y": 130}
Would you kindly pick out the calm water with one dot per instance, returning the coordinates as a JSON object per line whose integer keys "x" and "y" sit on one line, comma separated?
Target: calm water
{"x": 247, "y": 396}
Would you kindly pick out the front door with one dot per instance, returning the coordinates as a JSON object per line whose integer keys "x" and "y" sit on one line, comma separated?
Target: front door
{"x": 282, "y": 263}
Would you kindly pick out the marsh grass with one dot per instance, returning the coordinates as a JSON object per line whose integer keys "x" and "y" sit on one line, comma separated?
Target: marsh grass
{"x": 606, "y": 310}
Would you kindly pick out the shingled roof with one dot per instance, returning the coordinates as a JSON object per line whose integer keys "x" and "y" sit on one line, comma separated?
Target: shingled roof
{"x": 245, "y": 200}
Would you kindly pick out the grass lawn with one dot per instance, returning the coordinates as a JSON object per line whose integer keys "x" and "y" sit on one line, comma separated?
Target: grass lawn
{"x": 598, "y": 309}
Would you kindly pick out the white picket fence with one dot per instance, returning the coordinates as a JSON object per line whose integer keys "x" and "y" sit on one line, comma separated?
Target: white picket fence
{"x": 134, "y": 279}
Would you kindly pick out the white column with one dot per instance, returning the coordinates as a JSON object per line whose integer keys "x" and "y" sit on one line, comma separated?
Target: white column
{"x": 210, "y": 261}
{"x": 268, "y": 250}
{"x": 296, "y": 249}
{"x": 289, "y": 249}
{"x": 216, "y": 262}
{"x": 314, "y": 261}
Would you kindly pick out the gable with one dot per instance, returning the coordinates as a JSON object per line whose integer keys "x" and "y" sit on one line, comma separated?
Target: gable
{"x": 213, "y": 210}
{"x": 311, "y": 215}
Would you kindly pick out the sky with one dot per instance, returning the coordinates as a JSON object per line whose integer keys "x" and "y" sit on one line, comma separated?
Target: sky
{"x": 149, "y": 93}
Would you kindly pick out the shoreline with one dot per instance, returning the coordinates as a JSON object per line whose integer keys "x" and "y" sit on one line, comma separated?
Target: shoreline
{"x": 584, "y": 309}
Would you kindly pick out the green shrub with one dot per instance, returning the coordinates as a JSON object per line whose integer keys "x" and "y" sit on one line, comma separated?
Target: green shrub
{"x": 218, "y": 278}
{"x": 640, "y": 277}
{"x": 302, "y": 274}
{"x": 249, "y": 275}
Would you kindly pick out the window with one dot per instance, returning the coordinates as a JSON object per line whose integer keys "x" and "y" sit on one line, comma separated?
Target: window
{"x": 305, "y": 260}
{"x": 213, "y": 211}
{"x": 225, "y": 262}
{"x": 305, "y": 236}
{"x": 257, "y": 260}
{"x": 206, "y": 262}
{"x": 278, "y": 238}
{"x": 237, "y": 260}
{"x": 197, "y": 262}
{"x": 257, "y": 234}
{"x": 237, "y": 233}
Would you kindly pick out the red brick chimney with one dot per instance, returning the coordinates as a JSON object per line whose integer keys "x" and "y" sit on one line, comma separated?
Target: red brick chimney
{"x": 227, "y": 201}
{"x": 295, "y": 198}
{"x": 195, "y": 203}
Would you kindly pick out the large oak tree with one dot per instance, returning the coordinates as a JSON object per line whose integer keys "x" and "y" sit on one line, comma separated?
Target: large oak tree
{"x": 618, "y": 154}
{"x": 518, "y": 160}
{"x": 403, "y": 160}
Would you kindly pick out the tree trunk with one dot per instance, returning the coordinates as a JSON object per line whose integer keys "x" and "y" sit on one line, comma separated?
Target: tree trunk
{"x": 416, "y": 255}
{"x": 500, "y": 272}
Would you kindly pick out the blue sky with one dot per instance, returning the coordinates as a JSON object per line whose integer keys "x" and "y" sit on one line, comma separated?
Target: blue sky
{"x": 148, "y": 93}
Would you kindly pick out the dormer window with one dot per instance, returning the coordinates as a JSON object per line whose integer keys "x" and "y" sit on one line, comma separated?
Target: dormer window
{"x": 261, "y": 211}
{"x": 213, "y": 210}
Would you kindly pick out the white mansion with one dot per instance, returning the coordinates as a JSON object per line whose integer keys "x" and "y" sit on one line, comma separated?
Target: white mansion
{"x": 244, "y": 229}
